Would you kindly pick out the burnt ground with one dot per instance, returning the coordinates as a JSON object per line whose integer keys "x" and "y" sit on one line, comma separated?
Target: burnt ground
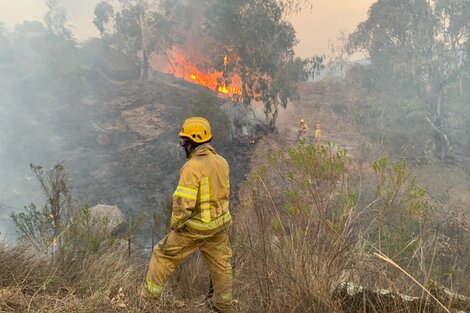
{"x": 125, "y": 152}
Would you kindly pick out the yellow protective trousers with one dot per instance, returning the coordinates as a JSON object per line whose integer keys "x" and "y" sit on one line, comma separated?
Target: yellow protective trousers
{"x": 176, "y": 246}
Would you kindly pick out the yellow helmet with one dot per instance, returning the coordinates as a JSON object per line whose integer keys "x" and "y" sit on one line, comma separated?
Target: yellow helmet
{"x": 197, "y": 129}
{"x": 302, "y": 120}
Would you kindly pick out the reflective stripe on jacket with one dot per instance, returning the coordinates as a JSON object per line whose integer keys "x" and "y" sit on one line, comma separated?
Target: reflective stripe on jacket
{"x": 200, "y": 201}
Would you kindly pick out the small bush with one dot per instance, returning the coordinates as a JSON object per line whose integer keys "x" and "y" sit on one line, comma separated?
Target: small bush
{"x": 42, "y": 228}
{"x": 61, "y": 229}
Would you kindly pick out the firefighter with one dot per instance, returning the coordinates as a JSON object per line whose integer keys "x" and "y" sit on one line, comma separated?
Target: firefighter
{"x": 302, "y": 131}
{"x": 200, "y": 218}
{"x": 317, "y": 132}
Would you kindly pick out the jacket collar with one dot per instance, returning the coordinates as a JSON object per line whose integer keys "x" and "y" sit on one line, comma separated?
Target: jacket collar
{"x": 203, "y": 149}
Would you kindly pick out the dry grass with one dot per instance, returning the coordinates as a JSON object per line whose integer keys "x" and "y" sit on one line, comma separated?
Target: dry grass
{"x": 298, "y": 236}
{"x": 299, "y": 232}
{"x": 107, "y": 281}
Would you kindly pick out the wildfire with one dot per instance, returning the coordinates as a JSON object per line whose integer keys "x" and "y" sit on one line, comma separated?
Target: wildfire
{"x": 180, "y": 67}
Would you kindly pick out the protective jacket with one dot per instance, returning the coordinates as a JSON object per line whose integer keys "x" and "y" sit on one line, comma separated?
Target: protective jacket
{"x": 201, "y": 199}
{"x": 303, "y": 128}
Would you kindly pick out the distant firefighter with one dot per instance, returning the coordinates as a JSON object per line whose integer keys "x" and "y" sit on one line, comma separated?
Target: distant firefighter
{"x": 317, "y": 132}
{"x": 302, "y": 131}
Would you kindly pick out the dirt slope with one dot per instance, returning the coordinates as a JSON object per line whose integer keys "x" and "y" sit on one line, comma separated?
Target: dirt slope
{"x": 128, "y": 153}
{"x": 448, "y": 184}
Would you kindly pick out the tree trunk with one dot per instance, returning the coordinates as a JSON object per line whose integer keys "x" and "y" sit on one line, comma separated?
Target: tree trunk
{"x": 145, "y": 65}
{"x": 272, "y": 122}
{"x": 245, "y": 98}
{"x": 439, "y": 136}
{"x": 461, "y": 84}
{"x": 145, "y": 61}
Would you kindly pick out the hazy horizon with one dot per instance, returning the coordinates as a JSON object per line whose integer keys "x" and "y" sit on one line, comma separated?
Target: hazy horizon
{"x": 315, "y": 28}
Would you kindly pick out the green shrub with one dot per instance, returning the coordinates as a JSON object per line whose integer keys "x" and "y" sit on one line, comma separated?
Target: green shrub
{"x": 399, "y": 212}
{"x": 61, "y": 229}
{"x": 43, "y": 227}
{"x": 307, "y": 222}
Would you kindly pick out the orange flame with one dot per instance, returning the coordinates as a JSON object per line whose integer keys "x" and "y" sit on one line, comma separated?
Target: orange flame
{"x": 180, "y": 67}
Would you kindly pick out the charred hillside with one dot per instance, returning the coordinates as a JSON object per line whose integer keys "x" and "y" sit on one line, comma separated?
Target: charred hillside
{"x": 128, "y": 155}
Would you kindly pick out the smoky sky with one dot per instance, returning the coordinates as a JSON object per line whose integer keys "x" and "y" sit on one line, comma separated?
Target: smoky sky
{"x": 315, "y": 28}
{"x": 79, "y": 13}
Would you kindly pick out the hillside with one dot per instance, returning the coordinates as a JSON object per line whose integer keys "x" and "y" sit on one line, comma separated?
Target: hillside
{"x": 132, "y": 150}
{"x": 119, "y": 144}
{"x": 279, "y": 266}
{"x": 328, "y": 103}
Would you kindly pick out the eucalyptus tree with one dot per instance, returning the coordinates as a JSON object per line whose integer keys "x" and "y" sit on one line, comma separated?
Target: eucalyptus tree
{"x": 292, "y": 7}
{"x": 138, "y": 28}
{"x": 55, "y": 20}
{"x": 104, "y": 13}
{"x": 423, "y": 42}
{"x": 338, "y": 57}
{"x": 258, "y": 43}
